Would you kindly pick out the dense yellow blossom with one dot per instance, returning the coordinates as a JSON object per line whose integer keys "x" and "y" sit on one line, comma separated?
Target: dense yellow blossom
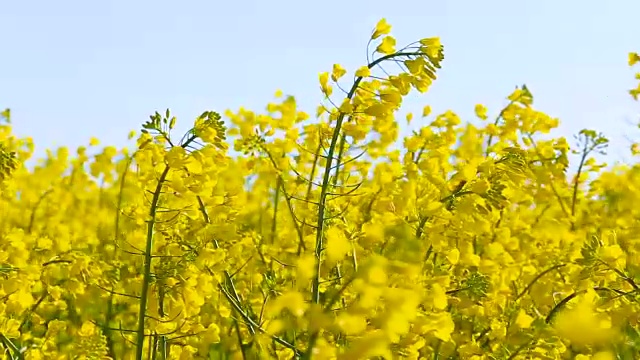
{"x": 273, "y": 235}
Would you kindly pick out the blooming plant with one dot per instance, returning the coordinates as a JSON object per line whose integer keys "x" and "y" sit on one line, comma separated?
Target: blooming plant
{"x": 322, "y": 241}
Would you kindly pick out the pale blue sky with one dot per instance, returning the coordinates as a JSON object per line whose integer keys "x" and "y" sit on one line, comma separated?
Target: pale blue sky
{"x": 70, "y": 70}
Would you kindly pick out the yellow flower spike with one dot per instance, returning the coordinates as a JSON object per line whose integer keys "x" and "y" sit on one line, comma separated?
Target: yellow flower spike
{"x": 387, "y": 46}
{"x": 382, "y": 28}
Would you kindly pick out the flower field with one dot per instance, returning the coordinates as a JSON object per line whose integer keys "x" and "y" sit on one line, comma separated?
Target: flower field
{"x": 282, "y": 234}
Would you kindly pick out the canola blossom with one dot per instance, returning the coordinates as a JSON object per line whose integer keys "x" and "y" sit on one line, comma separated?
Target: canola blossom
{"x": 323, "y": 240}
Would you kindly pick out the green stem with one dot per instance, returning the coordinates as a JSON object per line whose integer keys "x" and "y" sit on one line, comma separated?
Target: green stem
{"x": 109, "y": 315}
{"x": 576, "y": 183}
{"x": 13, "y": 350}
{"x": 142, "y": 313}
{"x": 560, "y": 305}
{"x": 276, "y": 200}
{"x": 495, "y": 122}
{"x": 535, "y": 279}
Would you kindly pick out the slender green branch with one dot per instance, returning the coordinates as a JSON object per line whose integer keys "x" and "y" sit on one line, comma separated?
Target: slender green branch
{"x": 109, "y": 315}
{"x": 553, "y": 187}
{"x": 276, "y": 201}
{"x": 495, "y": 122}
{"x": 535, "y": 279}
{"x": 561, "y": 305}
{"x": 147, "y": 263}
{"x": 576, "y": 183}
{"x": 11, "y": 348}
{"x": 253, "y": 324}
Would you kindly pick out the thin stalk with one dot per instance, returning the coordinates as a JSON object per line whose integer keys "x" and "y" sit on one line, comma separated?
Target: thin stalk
{"x": 142, "y": 313}
{"x": 343, "y": 141}
{"x": 553, "y": 188}
{"x": 32, "y": 218}
{"x": 240, "y": 342}
{"x": 276, "y": 201}
{"x": 576, "y": 183}
{"x": 287, "y": 198}
{"x": 495, "y": 122}
{"x": 109, "y": 315}
{"x": 535, "y": 279}
{"x": 561, "y": 305}
{"x": 11, "y": 348}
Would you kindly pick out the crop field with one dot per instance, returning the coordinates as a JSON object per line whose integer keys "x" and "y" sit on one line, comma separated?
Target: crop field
{"x": 290, "y": 235}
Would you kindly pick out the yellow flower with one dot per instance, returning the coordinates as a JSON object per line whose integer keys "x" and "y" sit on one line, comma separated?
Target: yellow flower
{"x": 481, "y": 111}
{"x": 426, "y": 111}
{"x": 337, "y": 245}
{"x": 176, "y": 157}
{"x": 583, "y": 326}
{"x": 382, "y": 28}
{"x": 387, "y": 46}
{"x": 440, "y": 300}
{"x": 603, "y": 355}
{"x": 633, "y": 58}
{"x": 10, "y": 328}
{"x": 453, "y": 256}
{"x": 363, "y": 71}
{"x": 523, "y": 320}
{"x": 338, "y": 72}
{"x": 378, "y": 109}
{"x": 324, "y": 84}
{"x": 351, "y": 324}
{"x": 409, "y": 117}
{"x": 433, "y": 47}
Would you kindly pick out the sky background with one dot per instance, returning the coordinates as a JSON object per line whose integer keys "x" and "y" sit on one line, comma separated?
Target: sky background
{"x": 70, "y": 70}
